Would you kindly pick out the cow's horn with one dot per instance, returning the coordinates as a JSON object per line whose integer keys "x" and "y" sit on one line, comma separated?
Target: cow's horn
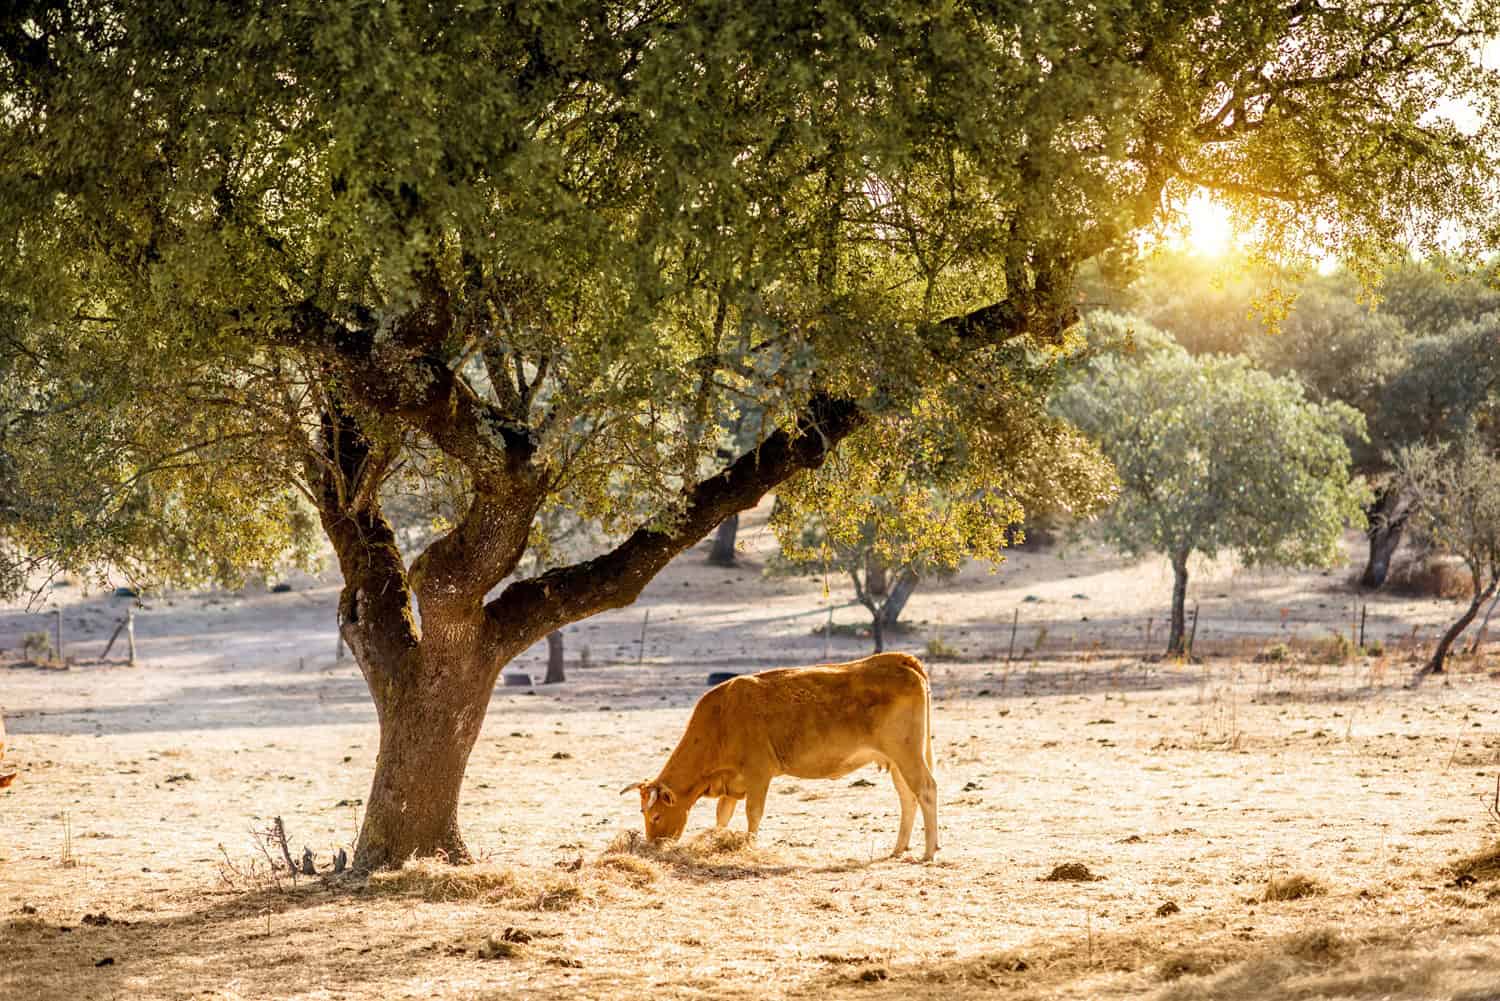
{"x": 633, "y": 785}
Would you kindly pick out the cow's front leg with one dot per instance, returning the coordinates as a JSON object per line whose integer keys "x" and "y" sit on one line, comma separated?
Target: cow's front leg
{"x": 755, "y": 801}
{"x": 726, "y": 810}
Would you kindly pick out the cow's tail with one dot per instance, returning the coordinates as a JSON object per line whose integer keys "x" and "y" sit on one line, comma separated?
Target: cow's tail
{"x": 927, "y": 750}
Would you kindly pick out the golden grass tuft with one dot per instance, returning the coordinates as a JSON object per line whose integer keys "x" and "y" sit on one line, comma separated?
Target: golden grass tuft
{"x": 1295, "y": 886}
{"x": 437, "y": 882}
{"x": 1314, "y": 945}
{"x": 636, "y": 870}
{"x": 1480, "y": 867}
{"x": 1191, "y": 963}
{"x": 716, "y": 851}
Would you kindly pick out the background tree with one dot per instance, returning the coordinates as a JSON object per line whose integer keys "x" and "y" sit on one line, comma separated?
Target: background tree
{"x": 255, "y": 255}
{"x": 976, "y": 459}
{"x": 1213, "y": 454}
{"x": 1455, "y": 497}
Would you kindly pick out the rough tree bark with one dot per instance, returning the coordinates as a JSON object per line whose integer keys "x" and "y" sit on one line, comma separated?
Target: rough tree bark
{"x": 556, "y": 674}
{"x": 722, "y": 554}
{"x": 1387, "y": 518}
{"x": 1177, "y": 634}
{"x": 877, "y": 579}
{"x": 899, "y": 595}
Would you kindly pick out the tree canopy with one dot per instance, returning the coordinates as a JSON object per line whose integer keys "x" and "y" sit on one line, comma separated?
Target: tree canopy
{"x": 1216, "y": 455}
{"x": 259, "y": 258}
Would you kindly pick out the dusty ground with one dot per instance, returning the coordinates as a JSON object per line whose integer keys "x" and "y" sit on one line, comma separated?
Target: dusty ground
{"x": 1195, "y": 785}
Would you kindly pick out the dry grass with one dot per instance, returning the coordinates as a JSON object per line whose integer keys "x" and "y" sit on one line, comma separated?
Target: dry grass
{"x": 438, "y": 882}
{"x": 716, "y": 852}
{"x": 1294, "y": 886}
{"x": 1430, "y": 577}
{"x": 1479, "y": 867}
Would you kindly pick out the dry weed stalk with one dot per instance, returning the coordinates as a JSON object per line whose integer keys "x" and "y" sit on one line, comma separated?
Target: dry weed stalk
{"x": 68, "y": 859}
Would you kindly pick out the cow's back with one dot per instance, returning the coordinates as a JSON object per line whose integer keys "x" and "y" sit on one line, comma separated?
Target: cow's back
{"x": 820, "y": 719}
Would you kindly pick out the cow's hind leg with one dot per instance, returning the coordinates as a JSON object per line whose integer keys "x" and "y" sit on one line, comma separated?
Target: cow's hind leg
{"x": 908, "y": 811}
{"x": 726, "y": 810}
{"x": 918, "y": 777}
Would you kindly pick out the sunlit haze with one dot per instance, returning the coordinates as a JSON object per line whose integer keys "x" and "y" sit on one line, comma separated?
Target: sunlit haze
{"x": 1206, "y": 229}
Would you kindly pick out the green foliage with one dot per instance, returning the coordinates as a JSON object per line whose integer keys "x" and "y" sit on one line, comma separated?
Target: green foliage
{"x": 928, "y": 489}
{"x": 624, "y": 228}
{"x": 37, "y": 647}
{"x": 1214, "y": 454}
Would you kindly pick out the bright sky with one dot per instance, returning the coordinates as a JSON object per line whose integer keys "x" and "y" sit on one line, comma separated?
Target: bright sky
{"x": 1206, "y": 229}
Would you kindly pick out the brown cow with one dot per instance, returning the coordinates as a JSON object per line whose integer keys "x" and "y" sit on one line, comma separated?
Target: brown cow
{"x": 810, "y": 722}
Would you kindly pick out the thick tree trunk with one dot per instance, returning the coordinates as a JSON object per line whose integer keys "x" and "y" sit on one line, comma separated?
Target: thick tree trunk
{"x": 555, "y": 674}
{"x": 1387, "y": 517}
{"x": 877, "y": 631}
{"x": 1436, "y": 665}
{"x": 427, "y": 730}
{"x": 877, "y": 581}
{"x": 722, "y": 554}
{"x": 1177, "y": 635}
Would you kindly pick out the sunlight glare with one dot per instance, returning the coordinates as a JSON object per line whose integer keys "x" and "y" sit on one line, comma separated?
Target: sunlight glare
{"x": 1206, "y": 229}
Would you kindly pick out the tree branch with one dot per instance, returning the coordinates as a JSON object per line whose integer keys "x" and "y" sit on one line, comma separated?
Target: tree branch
{"x": 527, "y": 610}
{"x": 418, "y": 386}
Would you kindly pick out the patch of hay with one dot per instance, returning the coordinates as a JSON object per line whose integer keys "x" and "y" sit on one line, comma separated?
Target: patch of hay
{"x": 438, "y": 882}
{"x": 1293, "y": 887}
{"x": 1316, "y": 945}
{"x": 497, "y": 948}
{"x": 636, "y": 870}
{"x": 1191, "y": 963}
{"x": 1480, "y": 867}
{"x": 717, "y": 851}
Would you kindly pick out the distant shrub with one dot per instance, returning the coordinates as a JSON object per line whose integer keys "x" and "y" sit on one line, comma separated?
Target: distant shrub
{"x": 1374, "y": 648}
{"x": 36, "y": 646}
{"x": 938, "y": 649}
{"x": 1336, "y": 648}
{"x": 1276, "y": 653}
{"x": 1430, "y": 576}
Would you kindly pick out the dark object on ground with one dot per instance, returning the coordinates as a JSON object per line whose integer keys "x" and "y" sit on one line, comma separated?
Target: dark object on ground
{"x": 281, "y": 588}
{"x": 1071, "y": 872}
{"x": 516, "y": 680}
{"x": 719, "y": 677}
{"x": 126, "y": 592}
{"x": 1169, "y": 908}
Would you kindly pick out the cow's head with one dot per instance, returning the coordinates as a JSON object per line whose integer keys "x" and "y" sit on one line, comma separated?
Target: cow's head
{"x": 665, "y": 811}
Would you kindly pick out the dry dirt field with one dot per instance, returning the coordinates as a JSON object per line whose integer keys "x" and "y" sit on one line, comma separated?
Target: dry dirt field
{"x": 1194, "y": 795}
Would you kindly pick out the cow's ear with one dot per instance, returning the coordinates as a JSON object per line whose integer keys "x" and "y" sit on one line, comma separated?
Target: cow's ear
{"x": 633, "y": 785}
{"x": 668, "y": 796}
